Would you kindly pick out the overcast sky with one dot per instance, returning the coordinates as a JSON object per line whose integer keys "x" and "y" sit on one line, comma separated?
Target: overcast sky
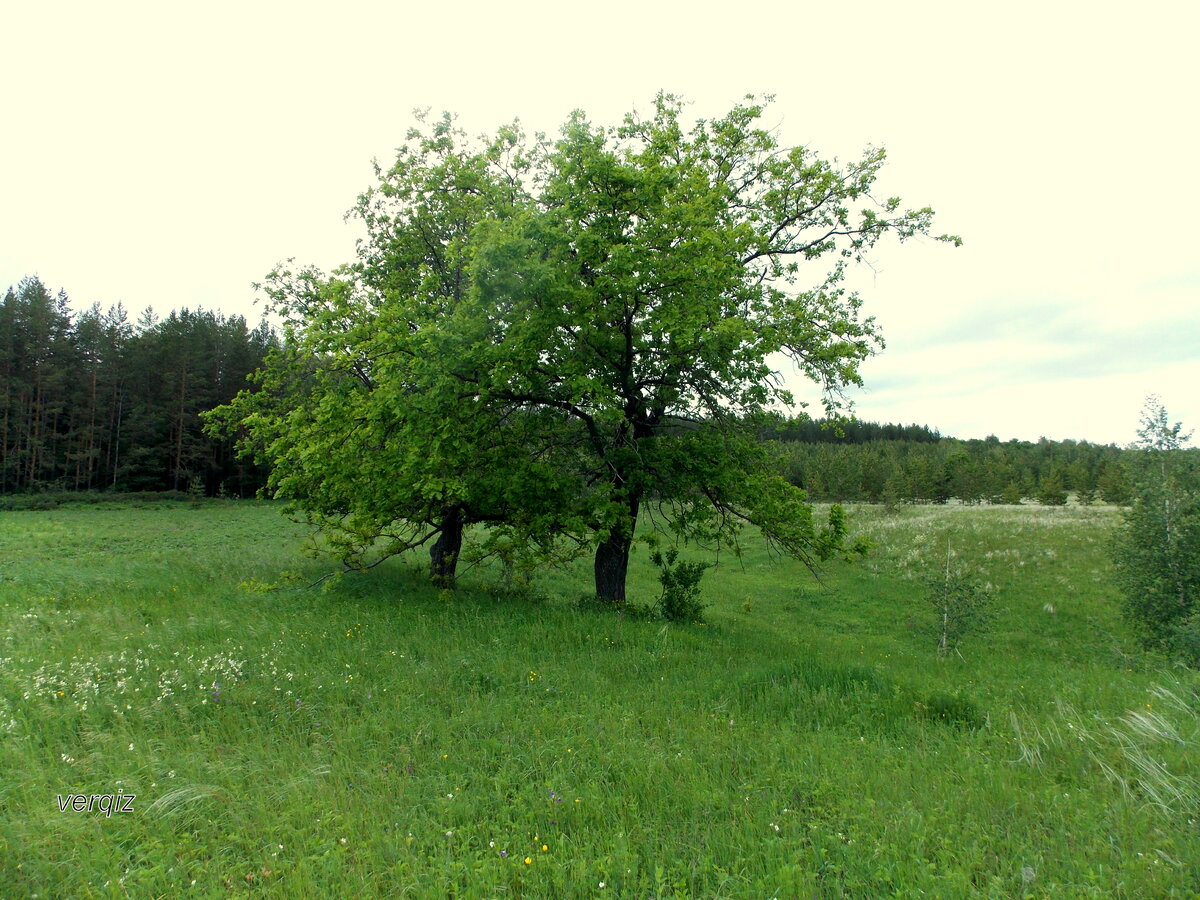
{"x": 171, "y": 154}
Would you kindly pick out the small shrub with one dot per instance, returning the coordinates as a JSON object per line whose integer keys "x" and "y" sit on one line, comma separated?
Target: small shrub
{"x": 29, "y": 502}
{"x": 890, "y": 497}
{"x": 1051, "y": 492}
{"x": 680, "y": 597}
{"x": 962, "y": 606}
{"x": 1156, "y": 549}
{"x": 1011, "y": 494}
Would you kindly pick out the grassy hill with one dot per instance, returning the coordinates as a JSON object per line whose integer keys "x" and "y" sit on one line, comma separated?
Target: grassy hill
{"x": 375, "y": 737}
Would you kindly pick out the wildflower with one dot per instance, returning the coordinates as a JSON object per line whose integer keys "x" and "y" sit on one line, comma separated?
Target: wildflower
{"x": 504, "y": 853}
{"x": 545, "y": 849}
{"x": 529, "y": 861}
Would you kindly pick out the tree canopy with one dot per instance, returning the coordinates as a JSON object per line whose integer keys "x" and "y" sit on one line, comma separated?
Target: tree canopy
{"x": 90, "y": 401}
{"x": 553, "y": 338}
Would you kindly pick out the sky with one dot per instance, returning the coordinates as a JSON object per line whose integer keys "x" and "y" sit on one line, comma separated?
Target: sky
{"x": 171, "y": 154}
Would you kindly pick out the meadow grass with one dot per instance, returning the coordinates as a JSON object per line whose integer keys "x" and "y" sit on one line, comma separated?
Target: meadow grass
{"x": 374, "y": 736}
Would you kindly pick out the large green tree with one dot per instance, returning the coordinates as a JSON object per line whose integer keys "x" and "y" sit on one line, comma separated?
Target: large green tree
{"x": 554, "y": 339}
{"x": 363, "y": 416}
{"x": 650, "y": 294}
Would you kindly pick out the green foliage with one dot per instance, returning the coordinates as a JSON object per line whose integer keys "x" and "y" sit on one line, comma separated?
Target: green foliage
{"x": 680, "y": 581}
{"x": 1113, "y": 484}
{"x": 937, "y": 469}
{"x": 196, "y": 488}
{"x": 92, "y": 402}
{"x": 1184, "y": 639}
{"x": 514, "y": 347}
{"x": 1011, "y": 494}
{"x": 1051, "y": 491}
{"x": 365, "y": 415}
{"x": 1157, "y": 550}
{"x": 962, "y": 605}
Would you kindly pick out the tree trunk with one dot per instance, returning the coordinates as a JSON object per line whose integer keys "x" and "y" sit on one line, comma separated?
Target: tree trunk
{"x": 443, "y": 555}
{"x": 612, "y": 558}
{"x": 612, "y": 562}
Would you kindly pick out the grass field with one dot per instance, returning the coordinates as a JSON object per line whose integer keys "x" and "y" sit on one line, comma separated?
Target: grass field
{"x": 376, "y": 737}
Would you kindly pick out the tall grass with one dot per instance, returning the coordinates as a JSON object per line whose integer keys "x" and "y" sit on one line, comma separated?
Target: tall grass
{"x": 376, "y": 737}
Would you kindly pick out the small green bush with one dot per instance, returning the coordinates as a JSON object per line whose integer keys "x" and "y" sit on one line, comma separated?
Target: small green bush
{"x": 962, "y": 605}
{"x": 1051, "y": 492}
{"x": 28, "y": 502}
{"x": 1156, "y": 549}
{"x": 1011, "y": 494}
{"x": 680, "y": 597}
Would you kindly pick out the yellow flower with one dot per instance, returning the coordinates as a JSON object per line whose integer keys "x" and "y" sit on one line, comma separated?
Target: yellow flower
{"x": 545, "y": 848}
{"x": 528, "y": 861}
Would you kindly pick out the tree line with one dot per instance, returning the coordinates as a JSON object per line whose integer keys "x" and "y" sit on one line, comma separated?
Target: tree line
{"x": 865, "y": 465}
{"x": 90, "y": 401}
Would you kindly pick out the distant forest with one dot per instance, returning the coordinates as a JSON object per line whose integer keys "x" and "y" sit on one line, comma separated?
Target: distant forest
{"x": 914, "y": 464}
{"x": 92, "y": 402}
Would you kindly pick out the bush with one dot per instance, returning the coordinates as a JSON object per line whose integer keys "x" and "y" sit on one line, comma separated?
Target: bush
{"x": 680, "y": 597}
{"x": 1156, "y": 551}
{"x": 962, "y": 605}
{"x": 1051, "y": 492}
